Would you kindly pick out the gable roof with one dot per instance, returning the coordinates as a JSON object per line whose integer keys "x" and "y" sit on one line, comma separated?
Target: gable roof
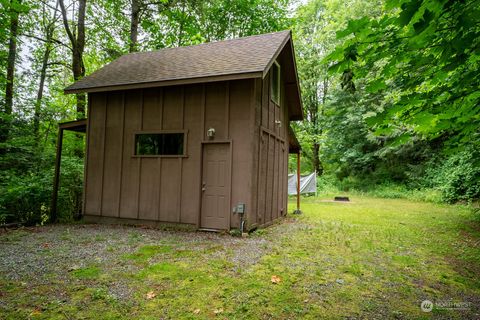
{"x": 241, "y": 58}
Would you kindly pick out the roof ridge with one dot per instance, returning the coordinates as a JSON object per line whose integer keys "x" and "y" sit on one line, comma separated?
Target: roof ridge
{"x": 208, "y": 43}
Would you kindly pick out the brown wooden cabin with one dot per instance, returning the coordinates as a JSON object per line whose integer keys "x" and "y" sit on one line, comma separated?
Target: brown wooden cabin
{"x": 193, "y": 134}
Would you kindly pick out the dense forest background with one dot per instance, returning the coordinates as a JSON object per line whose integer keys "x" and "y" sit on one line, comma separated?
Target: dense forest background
{"x": 390, "y": 88}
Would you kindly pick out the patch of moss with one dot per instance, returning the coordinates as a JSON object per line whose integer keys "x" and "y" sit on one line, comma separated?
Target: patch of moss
{"x": 13, "y": 236}
{"x": 144, "y": 253}
{"x": 92, "y": 272}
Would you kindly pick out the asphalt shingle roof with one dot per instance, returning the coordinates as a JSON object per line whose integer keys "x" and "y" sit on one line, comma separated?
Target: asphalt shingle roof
{"x": 229, "y": 57}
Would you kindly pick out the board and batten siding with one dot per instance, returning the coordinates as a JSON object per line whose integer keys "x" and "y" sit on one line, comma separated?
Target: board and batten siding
{"x": 166, "y": 189}
{"x": 270, "y": 156}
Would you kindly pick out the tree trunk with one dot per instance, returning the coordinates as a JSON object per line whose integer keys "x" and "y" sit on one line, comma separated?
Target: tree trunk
{"x": 77, "y": 39}
{"x": 134, "y": 22}
{"x": 316, "y": 116}
{"x": 43, "y": 74}
{"x": 12, "y": 54}
{"x": 49, "y": 30}
{"x": 317, "y": 165}
{"x": 77, "y": 58}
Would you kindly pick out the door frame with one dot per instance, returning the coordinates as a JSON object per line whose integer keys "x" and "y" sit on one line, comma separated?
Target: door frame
{"x": 229, "y": 180}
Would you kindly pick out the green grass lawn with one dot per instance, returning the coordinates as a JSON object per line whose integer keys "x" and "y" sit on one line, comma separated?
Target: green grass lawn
{"x": 367, "y": 259}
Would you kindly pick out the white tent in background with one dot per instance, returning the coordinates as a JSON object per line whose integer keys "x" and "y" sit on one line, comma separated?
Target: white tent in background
{"x": 308, "y": 183}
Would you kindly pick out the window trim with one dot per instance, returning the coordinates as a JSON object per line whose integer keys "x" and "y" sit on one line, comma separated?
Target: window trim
{"x": 278, "y": 101}
{"x": 185, "y": 139}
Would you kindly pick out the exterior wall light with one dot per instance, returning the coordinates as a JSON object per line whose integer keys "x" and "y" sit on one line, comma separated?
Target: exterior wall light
{"x": 211, "y": 133}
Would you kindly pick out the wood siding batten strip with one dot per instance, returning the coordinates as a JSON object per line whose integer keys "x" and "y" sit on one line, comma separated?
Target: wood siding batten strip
{"x": 260, "y": 133}
{"x": 139, "y": 173}
{"x": 121, "y": 156}
{"x": 105, "y": 108}
{"x": 85, "y": 169}
{"x": 273, "y": 213}
{"x": 183, "y": 107}
{"x": 179, "y": 201}
{"x": 161, "y": 101}
{"x": 259, "y": 172}
{"x": 269, "y": 92}
{"x": 266, "y": 180}
{"x": 229, "y": 215}
{"x": 227, "y": 110}
{"x": 254, "y": 143}
{"x": 273, "y": 134}
{"x": 204, "y": 101}
{"x": 200, "y": 168}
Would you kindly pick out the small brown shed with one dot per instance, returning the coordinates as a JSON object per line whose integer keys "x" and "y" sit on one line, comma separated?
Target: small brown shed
{"x": 196, "y": 135}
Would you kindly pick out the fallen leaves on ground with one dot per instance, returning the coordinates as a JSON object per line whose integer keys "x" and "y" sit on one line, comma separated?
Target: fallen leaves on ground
{"x": 217, "y": 311}
{"x": 275, "y": 279}
{"x": 151, "y": 295}
{"x": 36, "y": 312}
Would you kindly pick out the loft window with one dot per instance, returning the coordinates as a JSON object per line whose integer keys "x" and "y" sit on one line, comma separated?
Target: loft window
{"x": 160, "y": 144}
{"x": 275, "y": 83}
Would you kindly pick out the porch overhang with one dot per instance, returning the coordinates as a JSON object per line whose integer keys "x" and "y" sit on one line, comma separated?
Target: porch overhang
{"x": 79, "y": 126}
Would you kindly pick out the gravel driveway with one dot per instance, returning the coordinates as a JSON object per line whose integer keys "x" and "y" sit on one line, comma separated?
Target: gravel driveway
{"x": 40, "y": 255}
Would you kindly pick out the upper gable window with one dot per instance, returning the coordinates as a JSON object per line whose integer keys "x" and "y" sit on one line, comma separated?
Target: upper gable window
{"x": 275, "y": 83}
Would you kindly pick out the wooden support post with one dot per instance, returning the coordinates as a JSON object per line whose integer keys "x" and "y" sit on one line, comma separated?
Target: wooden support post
{"x": 298, "y": 211}
{"x": 56, "y": 178}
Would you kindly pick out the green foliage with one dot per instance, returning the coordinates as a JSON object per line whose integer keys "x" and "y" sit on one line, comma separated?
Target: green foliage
{"x": 26, "y": 199}
{"x": 424, "y": 54}
{"x": 189, "y": 22}
{"x": 390, "y": 89}
{"x": 70, "y": 193}
{"x": 314, "y": 33}
{"x": 26, "y": 179}
{"x": 458, "y": 177}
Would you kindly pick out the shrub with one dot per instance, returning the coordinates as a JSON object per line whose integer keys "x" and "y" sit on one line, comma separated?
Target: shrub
{"x": 458, "y": 177}
{"x": 26, "y": 198}
{"x": 71, "y": 188}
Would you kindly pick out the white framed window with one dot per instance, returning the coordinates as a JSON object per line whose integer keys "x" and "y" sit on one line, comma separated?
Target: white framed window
{"x": 275, "y": 83}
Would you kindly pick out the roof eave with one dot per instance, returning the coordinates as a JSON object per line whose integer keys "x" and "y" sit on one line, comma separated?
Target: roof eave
{"x": 164, "y": 83}
{"x": 300, "y": 117}
{"x": 293, "y": 143}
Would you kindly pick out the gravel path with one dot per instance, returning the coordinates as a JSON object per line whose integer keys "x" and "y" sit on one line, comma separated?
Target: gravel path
{"x": 40, "y": 254}
{"x": 44, "y": 262}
